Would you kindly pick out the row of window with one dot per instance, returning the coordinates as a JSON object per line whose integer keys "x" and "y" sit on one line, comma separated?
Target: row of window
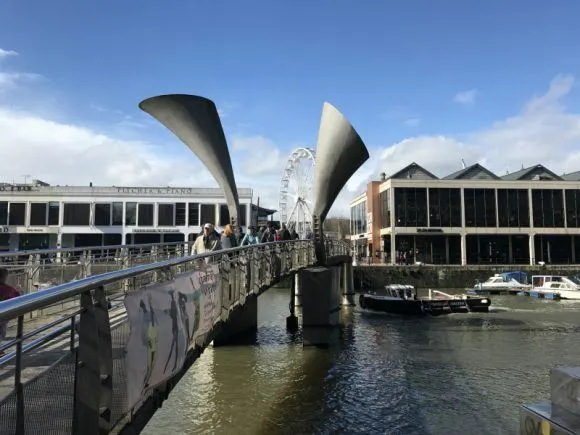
{"x": 358, "y": 218}
{"x": 108, "y": 214}
{"x": 441, "y": 207}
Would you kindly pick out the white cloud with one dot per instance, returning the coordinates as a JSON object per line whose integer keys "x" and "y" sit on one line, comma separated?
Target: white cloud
{"x": 7, "y": 53}
{"x": 10, "y": 79}
{"x": 412, "y": 122}
{"x": 543, "y": 132}
{"x": 257, "y": 155}
{"x": 68, "y": 154}
{"x": 466, "y": 97}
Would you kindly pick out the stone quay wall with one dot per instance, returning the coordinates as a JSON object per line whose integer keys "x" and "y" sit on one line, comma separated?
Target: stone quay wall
{"x": 444, "y": 276}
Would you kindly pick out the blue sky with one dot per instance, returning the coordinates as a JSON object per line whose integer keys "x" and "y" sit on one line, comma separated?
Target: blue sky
{"x": 415, "y": 78}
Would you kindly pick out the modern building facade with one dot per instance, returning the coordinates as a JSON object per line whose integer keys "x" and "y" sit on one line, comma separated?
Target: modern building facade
{"x": 40, "y": 216}
{"x": 472, "y": 216}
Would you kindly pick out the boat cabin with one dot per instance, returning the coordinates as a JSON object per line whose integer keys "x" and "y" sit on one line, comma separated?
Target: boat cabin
{"x": 501, "y": 278}
{"x": 401, "y": 291}
{"x": 554, "y": 282}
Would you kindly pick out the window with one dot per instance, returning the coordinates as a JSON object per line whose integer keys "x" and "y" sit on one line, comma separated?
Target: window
{"x": 3, "y": 213}
{"x": 17, "y": 213}
{"x": 548, "y": 208}
{"x": 207, "y": 214}
{"x": 54, "y": 213}
{"x": 410, "y": 207}
{"x": 38, "y": 214}
{"x": 444, "y": 208}
{"x": 512, "y": 208}
{"x": 145, "y": 215}
{"x": 243, "y": 212}
{"x": 180, "y": 214}
{"x": 479, "y": 207}
{"x": 76, "y": 214}
{"x": 165, "y": 215}
{"x": 193, "y": 211}
{"x": 572, "y": 208}
{"x": 358, "y": 218}
{"x": 131, "y": 213}
{"x": 224, "y": 215}
{"x": 385, "y": 208}
{"x": 117, "y": 213}
{"x": 102, "y": 215}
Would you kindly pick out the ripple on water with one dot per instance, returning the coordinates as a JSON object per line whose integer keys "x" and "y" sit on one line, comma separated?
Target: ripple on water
{"x": 464, "y": 374}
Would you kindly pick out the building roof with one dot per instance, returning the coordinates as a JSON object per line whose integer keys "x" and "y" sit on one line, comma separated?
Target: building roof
{"x": 265, "y": 212}
{"x": 478, "y": 172}
{"x": 539, "y": 171}
{"x": 572, "y": 176}
{"x": 414, "y": 171}
{"x": 115, "y": 191}
{"x": 473, "y": 172}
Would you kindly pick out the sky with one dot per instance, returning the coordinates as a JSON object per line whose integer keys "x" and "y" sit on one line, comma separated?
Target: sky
{"x": 491, "y": 82}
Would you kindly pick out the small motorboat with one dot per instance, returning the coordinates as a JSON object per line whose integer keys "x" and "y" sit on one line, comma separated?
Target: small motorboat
{"x": 403, "y": 299}
{"x": 508, "y": 283}
{"x": 553, "y": 287}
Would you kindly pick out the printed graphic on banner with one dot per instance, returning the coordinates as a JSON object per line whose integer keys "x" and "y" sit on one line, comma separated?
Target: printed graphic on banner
{"x": 159, "y": 319}
{"x": 205, "y": 282}
{"x": 165, "y": 319}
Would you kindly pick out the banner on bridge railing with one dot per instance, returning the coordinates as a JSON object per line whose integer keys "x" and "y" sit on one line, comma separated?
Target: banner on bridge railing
{"x": 165, "y": 319}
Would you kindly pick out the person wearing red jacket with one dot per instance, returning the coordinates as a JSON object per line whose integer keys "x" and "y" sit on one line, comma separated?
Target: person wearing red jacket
{"x": 6, "y": 292}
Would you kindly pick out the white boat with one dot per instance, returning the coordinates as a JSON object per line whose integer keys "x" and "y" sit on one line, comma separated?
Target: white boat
{"x": 554, "y": 287}
{"x": 502, "y": 283}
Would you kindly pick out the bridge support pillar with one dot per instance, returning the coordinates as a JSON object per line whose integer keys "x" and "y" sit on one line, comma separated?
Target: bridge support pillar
{"x": 242, "y": 324}
{"x": 292, "y": 319}
{"x": 297, "y": 291}
{"x": 321, "y": 302}
{"x": 348, "y": 295}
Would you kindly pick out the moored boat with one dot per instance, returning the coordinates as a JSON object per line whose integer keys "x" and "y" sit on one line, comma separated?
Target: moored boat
{"x": 510, "y": 283}
{"x": 553, "y": 287}
{"x": 403, "y": 299}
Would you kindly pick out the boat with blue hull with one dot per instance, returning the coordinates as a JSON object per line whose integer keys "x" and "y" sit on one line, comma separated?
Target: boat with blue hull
{"x": 402, "y": 299}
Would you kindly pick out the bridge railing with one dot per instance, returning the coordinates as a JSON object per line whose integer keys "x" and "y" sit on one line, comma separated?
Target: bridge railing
{"x": 38, "y": 269}
{"x": 90, "y": 370}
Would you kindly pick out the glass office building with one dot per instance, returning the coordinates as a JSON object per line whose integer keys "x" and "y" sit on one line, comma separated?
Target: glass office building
{"x": 472, "y": 216}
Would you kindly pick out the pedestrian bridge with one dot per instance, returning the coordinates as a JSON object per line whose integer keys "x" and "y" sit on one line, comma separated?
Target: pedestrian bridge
{"x": 100, "y": 353}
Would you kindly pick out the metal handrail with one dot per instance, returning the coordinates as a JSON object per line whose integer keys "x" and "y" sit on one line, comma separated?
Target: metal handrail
{"x": 21, "y": 305}
{"x": 87, "y": 248}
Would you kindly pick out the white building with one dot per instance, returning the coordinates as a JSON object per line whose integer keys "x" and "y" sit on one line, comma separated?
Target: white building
{"x": 40, "y": 216}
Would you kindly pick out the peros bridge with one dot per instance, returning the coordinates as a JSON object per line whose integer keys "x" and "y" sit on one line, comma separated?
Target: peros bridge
{"x": 101, "y": 335}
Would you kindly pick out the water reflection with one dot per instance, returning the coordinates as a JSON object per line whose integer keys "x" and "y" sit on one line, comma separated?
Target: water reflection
{"x": 448, "y": 375}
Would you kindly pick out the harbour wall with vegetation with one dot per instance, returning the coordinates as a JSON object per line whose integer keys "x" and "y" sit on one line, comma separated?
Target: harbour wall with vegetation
{"x": 439, "y": 277}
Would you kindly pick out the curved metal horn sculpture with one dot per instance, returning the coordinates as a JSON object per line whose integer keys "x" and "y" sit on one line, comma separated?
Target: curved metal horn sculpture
{"x": 339, "y": 153}
{"x": 195, "y": 121}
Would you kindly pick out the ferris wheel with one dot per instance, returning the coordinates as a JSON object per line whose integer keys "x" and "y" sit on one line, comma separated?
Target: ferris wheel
{"x": 296, "y": 191}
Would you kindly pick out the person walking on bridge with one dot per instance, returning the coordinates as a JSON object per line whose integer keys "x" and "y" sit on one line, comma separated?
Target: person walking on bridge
{"x": 208, "y": 241}
{"x": 6, "y": 292}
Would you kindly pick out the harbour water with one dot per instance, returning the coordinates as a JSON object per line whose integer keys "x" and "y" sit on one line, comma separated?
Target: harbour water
{"x": 458, "y": 374}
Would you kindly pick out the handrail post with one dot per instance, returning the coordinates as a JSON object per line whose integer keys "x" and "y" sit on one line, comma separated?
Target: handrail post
{"x": 86, "y": 415}
{"x": 86, "y": 263}
{"x": 105, "y": 352}
{"x": 18, "y": 387}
